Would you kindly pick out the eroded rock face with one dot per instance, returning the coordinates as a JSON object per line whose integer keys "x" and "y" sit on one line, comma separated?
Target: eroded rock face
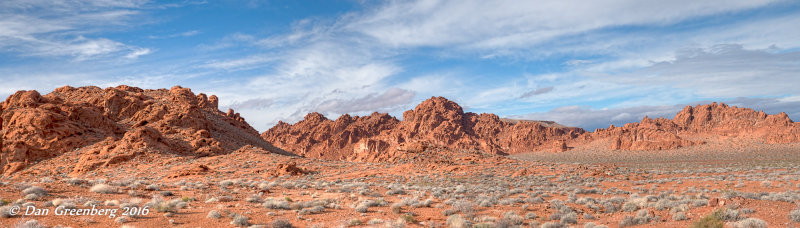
{"x": 113, "y": 125}
{"x": 441, "y": 123}
{"x": 436, "y": 122}
{"x": 711, "y": 120}
{"x": 318, "y": 137}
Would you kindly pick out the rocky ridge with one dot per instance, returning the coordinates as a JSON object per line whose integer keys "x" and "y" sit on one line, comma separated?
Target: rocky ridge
{"x": 441, "y": 123}
{"x": 114, "y": 125}
{"x": 435, "y": 123}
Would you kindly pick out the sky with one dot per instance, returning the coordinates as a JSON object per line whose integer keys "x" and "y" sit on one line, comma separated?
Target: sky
{"x": 580, "y": 63}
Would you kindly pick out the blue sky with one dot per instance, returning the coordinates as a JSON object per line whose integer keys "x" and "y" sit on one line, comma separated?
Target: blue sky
{"x": 581, "y": 63}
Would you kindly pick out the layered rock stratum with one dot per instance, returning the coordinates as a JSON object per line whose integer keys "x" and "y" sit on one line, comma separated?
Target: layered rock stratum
{"x": 115, "y": 125}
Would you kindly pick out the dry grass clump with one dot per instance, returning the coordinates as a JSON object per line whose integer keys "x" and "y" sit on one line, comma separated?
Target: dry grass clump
{"x": 275, "y": 203}
{"x": 34, "y": 192}
{"x": 213, "y": 214}
{"x": 642, "y": 217}
{"x": 457, "y": 221}
{"x": 750, "y": 223}
{"x": 240, "y": 220}
{"x": 103, "y": 188}
{"x": 794, "y": 215}
{"x": 281, "y": 223}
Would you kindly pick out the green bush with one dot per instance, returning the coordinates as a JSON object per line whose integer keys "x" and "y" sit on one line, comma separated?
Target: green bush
{"x": 709, "y": 221}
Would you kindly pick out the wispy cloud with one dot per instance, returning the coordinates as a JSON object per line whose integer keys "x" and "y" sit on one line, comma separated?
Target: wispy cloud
{"x": 63, "y": 29}
{"x": 509, "y": 24}
{"x": 535, "y": 92}
{"x": 242, "y": 63}
{"x": 726, "y": 70}
{"x": 175, "y": 35}
{"x": 388, "y": 101}
{"x": 591, "y": 119}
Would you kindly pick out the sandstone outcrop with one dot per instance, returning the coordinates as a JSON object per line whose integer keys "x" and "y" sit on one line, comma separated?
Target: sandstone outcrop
{"x": 441, "y": 123}
{"x": 693, "y": 123}
{"x": 114, "y": 125}
{"x": 435, "y": 123}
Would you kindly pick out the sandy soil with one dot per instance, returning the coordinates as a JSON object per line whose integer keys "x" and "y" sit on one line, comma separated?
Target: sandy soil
{"x": 433, "y": 189}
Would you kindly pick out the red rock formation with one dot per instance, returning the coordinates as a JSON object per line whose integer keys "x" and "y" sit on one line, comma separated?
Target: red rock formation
{"x": 435, "y": 123}
{"x": 441, "y": 123}
{"x": 288, "y": 169}
{"x": 318, "y": 137}
{"x": 712, "y": 120}
{"x": 113, "y": 125}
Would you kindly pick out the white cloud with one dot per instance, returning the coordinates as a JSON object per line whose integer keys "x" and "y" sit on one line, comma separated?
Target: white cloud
{"x": 725, "y": 71}
{"x": 242, "y": 63}
{"x": 175, "y": 35}
{"x": 508, "y": 24}
{"x": 390, "y": 100}
{"x": 63, "y": 29}
{"x": 590, "y": 119}
{"x": 538, "y": 91}
{"x": 138, "y": 52}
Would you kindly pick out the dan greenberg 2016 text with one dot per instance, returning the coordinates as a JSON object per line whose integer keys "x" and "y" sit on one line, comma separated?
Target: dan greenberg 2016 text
{"x": 93, "y": 211}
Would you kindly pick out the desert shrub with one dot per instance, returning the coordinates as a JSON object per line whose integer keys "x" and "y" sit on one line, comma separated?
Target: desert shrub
{"x": 642, "y": 217}
{"x": 362, "y": 208}
{"x": 240, "y": 220}
{"x": 592, "y": 225}
{"x": 76, "y": 181}
{"x": 700, "y": 203}
{"x": 609, "y": 207}
{"x": 395, "y": 192}
{"x": 312, "y": 210}
{"x": 214, "y": 214}
{"x": 457, "y": 221}
{"x": 795, "y": 215}
{"x": 281, "y": 223}
{"x": 33, "y": 223}
{"x": 253, "y": 199}
{"x": 570, "y": 218}
{"x": 34, "y": 190}
{"x": 5, "y": 212}
{"x": 679, "y": 216}
{"x": 397, "y": 207}
{"x": 448, "y": 212}
{"x": 103, "y": 188}
{"x": 727, "y": 214}
{"x": 273, "y": 203}
{"x": 708, "y": 221}
{"x": 588, "y": 216}
{"x": 630, "y": 207}
{"x": 375, "y": 221}
{"x": 152, "y": 187}
{"x": 627, "y": 221}
{"x": 408, "y": 218}
{"x": 553, "y": 225}
{"x": 463, "y": 206}
{"x": 679, "y": 208}
{"x": 513, "y": 218}
{"x": 226, "y": 183}
{"x": 355, "y": 222}
{"x": 750, "y": 223}
{"x": 530, "y": 215}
